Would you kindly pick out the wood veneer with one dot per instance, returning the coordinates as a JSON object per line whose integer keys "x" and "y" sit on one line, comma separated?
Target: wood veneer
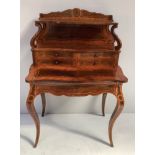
{"x": 75, "y": 53}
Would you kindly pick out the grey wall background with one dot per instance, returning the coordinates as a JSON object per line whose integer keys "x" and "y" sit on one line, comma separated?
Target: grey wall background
{"x": 123, "y": 13}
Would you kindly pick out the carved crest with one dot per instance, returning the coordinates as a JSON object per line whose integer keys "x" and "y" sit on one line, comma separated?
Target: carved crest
{"x": 76, "y": 12}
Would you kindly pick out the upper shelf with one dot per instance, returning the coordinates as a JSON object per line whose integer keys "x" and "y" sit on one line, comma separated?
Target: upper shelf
{"x": 76, "y": 16}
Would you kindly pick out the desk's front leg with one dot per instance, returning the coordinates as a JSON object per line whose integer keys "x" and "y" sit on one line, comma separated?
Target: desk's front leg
{"x": 117, "y": 111}
{"x": 33, "y": 113}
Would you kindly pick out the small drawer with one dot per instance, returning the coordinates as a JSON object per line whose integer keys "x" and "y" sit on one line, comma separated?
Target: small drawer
{"x": 60, "y": 54}
{"x": 97, "y": 55}
{"x": 54, "y": 58}
{"x": 61, "y": 61}
{"x": 45, "y": 54}
{"x": 105, "y": 59}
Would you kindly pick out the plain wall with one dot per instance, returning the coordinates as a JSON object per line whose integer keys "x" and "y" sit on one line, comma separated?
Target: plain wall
{"x": 123, "y": 13}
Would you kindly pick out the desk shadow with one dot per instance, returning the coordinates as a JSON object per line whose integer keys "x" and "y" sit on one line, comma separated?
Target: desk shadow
{"x": 26, "y": 139}
{"x": 64, "y": 128}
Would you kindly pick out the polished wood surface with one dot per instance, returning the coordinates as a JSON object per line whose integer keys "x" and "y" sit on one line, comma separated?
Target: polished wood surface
{"x": 75, "y": 53}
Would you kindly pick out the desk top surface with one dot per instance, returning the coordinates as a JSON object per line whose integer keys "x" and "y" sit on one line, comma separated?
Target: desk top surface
{"x": 50, "y": 77}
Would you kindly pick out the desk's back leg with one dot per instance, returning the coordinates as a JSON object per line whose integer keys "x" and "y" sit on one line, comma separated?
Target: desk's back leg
{"x": 103, "y": 103}
{"x": 33, "y": 113}
{"x": 43, "y": 103}
{"x": 117, "y": 111}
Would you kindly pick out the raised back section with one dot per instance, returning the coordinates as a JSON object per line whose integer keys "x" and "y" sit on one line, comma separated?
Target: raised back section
{"x": 75, "y": 28}
{"x": 78, "y": 40}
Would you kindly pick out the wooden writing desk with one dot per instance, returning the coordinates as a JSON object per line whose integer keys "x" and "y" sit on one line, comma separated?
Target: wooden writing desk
{"x": 75, "y": 53}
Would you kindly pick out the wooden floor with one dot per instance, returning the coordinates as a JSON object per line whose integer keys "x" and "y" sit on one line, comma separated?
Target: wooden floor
{"x": 78, "y": 134}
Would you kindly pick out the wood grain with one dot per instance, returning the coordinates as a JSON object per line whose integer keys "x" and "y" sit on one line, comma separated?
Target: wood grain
{"x": 75, "y": 53}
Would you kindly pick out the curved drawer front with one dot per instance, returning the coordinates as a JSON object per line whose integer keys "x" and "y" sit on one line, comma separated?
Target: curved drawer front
{"x": 80, "y": 60}
{"x": 53, "y": 58}
{"x": 107, "y": 59}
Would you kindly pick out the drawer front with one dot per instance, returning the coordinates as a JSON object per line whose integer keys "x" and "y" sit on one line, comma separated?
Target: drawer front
{"x": 99, "y": 59}
{"x": 77, "y": 60}
{"x": 53, "y": 58}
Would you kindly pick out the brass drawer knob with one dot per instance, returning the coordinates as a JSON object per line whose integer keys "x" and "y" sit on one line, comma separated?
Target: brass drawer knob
{"x": 56, "y": 54}
{"x": 56, "y": 62}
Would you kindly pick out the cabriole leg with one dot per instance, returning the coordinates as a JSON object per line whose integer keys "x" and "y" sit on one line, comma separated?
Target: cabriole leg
{"x": 117, "y": 111}
{"x": 33, "y": 113}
